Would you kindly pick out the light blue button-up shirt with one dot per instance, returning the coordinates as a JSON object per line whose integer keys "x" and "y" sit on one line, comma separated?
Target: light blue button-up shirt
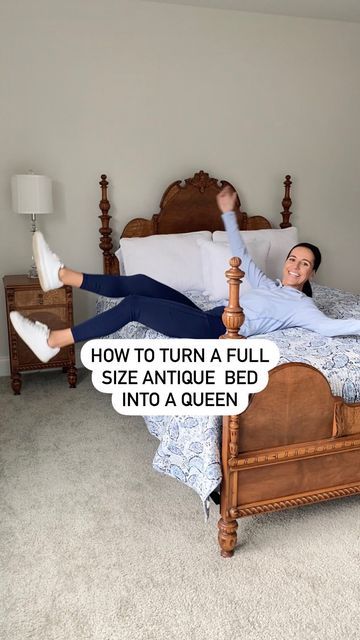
{"x": 270, "y": 305}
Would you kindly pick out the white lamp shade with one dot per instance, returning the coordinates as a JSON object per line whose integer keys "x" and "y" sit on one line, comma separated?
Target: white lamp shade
{"x": 31, "y": 193}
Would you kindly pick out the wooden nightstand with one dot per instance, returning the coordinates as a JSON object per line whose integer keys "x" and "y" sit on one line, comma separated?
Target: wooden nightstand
{"x": 53, "y": 308}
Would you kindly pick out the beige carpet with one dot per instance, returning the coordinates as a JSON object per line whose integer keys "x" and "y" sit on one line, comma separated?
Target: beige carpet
{"x": 96, "y": 545}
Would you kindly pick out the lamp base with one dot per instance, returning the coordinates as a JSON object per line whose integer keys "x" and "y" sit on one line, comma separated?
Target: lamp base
{"x": 32, "y": 273}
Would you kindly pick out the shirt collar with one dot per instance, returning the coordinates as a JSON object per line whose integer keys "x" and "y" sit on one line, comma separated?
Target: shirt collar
{"x": 282, "y": 286}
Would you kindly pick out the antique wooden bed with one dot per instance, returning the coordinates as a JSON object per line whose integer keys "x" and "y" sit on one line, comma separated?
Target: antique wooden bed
{"x": 296, "y": 443}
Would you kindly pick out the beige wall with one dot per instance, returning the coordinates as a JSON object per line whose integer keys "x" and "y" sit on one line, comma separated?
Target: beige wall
{"x": 150, "y": 92}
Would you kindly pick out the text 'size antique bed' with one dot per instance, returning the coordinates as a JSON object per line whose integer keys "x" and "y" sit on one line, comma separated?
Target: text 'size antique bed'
{"x": 298, "y": 442}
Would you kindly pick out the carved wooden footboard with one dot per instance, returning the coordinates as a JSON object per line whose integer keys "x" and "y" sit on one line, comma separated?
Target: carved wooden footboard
{"x": 295, "y": 444}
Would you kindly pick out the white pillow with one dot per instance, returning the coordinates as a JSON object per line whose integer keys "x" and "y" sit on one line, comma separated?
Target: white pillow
{"x": 215, "y": 261}
{"x": 120, "y": 258}
{"x": 173, "y": 258}
{"x": 280, "y": 240}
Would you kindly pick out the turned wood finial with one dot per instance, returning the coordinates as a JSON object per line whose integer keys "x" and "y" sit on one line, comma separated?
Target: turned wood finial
{"x": 233, "y": 315}
{"x": 105, "y": 229}
{"x": 286, "y": 203}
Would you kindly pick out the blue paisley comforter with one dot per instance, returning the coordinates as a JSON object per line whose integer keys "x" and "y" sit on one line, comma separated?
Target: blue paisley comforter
{"x": 190, "y": 447}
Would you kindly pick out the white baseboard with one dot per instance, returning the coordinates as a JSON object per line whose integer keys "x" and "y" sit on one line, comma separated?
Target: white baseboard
{"x": 5, "y": 362}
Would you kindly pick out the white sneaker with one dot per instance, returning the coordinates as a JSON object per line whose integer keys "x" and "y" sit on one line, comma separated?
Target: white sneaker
{"x": 35, "y": 335}
{"x": 47, "y": 263}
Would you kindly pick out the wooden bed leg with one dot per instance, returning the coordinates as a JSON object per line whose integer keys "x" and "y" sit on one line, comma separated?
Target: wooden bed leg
{"x": 227, "y": 537}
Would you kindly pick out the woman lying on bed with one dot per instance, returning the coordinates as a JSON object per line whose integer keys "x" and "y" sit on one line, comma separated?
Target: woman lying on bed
{"x": 268, "y": 306}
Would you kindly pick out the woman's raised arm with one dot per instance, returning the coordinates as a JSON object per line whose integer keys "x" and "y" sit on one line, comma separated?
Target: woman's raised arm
{"x": 226, "y": 203}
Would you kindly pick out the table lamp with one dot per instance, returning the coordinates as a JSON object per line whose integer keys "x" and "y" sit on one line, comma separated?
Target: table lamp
{"x": 31, "y": 194}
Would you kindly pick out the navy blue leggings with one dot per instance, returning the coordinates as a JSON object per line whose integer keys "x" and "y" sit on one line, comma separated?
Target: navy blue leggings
{"x": 151, "y": 303}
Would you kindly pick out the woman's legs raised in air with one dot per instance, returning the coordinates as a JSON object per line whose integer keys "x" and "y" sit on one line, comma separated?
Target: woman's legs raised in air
{"x": 53, "y": 274}
{"x": 168, "y": 317}
{"x": 147, "y": 301}
{"x": 141, "y": 289}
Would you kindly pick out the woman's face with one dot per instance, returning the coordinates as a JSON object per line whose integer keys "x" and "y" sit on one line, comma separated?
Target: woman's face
{"x": 298, "y": 268}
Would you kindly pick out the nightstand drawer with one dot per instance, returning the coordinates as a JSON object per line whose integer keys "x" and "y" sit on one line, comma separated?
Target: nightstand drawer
{"x": 53, "y": 317}
{"x": 34, "y": 298}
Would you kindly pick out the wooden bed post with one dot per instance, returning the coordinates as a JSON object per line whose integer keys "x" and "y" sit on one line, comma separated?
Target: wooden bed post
{"x": 233, "y": 318}
{"x": 286, "y": 203}
{"x": 105, "y": 230}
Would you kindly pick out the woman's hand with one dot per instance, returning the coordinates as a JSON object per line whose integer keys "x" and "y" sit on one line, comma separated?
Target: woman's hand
{"x": 226, "y": 199}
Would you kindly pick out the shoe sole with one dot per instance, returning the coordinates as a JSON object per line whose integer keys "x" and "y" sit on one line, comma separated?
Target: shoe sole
{"x": 38, "y": 244}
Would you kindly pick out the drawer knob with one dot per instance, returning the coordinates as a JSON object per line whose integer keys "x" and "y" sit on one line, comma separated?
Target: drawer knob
{"x": 40, "y": 298}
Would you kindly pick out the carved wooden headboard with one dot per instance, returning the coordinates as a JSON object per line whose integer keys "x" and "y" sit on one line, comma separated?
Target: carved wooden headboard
{"x": 186, "y": 205}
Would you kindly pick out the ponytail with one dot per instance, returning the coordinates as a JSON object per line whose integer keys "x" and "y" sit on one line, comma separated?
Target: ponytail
{"x": 307, "y": 289}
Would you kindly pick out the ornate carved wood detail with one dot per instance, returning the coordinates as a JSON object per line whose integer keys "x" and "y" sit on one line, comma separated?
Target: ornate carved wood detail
{"x": 16, "y": 383}
{"x": 58, "y": 363}
{"x": 233, "y": 315}
{"x": 190, "y": 205}
{"x": 286, "y": 203}
{"x": 70, "y": 314}
{"x": 233, "y": 318}
{"x": 13, "y": 345}
{"x": 175, "y": 206}
{"x": 234, "y": 426}
{"x": 11, "y": 299}
{"x": 201, "y": 181}
{"x": 186, "y": 205}
{"x": 227, "y": 536}
{"x": 105, "y": 230}
{"x": 288, "y": 503}
{"x": 293, "y": 453}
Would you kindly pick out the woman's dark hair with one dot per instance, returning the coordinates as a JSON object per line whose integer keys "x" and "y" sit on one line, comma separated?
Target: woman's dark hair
{"x": 317, "y": 261}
